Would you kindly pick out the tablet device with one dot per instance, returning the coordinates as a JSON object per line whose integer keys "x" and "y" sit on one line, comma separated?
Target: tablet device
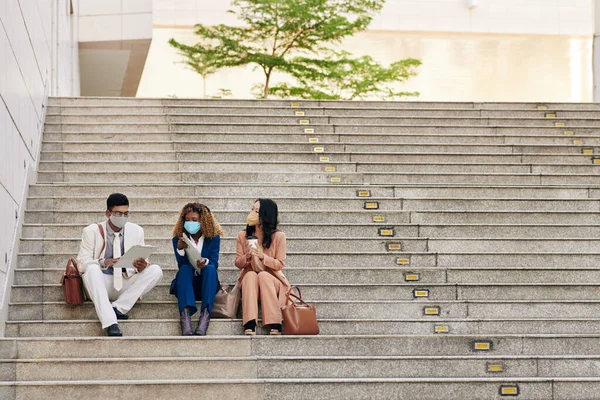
{"x": 135, "y": 252}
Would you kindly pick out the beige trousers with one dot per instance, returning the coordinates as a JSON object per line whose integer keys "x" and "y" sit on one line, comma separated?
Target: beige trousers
{"x": 268, "y": 286}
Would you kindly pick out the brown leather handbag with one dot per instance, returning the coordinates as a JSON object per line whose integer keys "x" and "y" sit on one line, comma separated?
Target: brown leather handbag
{"x": 72, "y": 281}
{"x": 72, "y": 284}
{"x": 299, "y": 317}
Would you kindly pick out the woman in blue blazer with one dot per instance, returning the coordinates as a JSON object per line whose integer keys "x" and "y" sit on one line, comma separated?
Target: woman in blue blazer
{"x": 196, "y": 226}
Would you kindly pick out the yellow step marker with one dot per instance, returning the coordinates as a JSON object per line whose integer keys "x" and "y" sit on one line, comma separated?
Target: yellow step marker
{"x": 495, "y": 368}
{"x": 330, "y": 169}
{"x": 324, "y": 159}
{"x": 412, "y": 277}
{"x": 550, "y": 115}
{"x": 482, "y": 346}
{"x": 335, "y": 180}
{"x": 300, "y": 113}
{"x": 596, "y": 160}
{"x": 569, "y": 133}
{"x": 379, "y": 218}
{"x": 559, "y": 124}
{"x": 418, "y": 293}
{"x": 393, "y": 246}
{"x": 304, "y": 121}
{"x": 433, "y": 310}
{"x": 313, "y": 140}
{"x": 404, "y": 261}
{"x": 363, "y": 193}
{"x": 309, "y": 130}
{"x": 509, "y": 390}
{"x": 542, "y": 108}
{"x": 371, "y": 205}
{"x": 441, "y": 329}
{"x": 295, "y": 104}
{"x": 319, "y": 149}
{"x": 588, "y": 151}
{"x": 577, "y": 142}
{"x": 387, "y": 232}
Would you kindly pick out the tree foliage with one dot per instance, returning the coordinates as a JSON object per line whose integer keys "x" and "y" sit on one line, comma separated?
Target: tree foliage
{"x": 296, "y": 37}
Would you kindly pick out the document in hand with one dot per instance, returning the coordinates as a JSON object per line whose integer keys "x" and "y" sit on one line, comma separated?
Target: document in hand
{"x": 192, "y": 252}
{"x": 135, "y": 252}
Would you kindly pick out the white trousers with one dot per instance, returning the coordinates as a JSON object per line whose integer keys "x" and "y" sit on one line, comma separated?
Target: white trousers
{"x": 100, "y": 289}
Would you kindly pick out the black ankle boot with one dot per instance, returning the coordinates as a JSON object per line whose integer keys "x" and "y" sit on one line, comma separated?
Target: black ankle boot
{"x": 203, "y": 323}
{"x": 185, "y": 320}
{"x": 250, "y": 327}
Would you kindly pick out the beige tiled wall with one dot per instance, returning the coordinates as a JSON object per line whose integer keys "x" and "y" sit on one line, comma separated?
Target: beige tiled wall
{"x": 28, "y": 46}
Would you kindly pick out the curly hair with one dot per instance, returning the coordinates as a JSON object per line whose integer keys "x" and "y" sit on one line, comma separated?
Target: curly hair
{"x": 268, "y": 215}
{"x": 210, "y": 227}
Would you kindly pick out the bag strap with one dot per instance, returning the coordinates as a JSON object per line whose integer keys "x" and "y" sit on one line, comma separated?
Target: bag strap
{"x": 103, "y": 238}
{"x": 289, "y": 295}
{"x": 70, "y": 271}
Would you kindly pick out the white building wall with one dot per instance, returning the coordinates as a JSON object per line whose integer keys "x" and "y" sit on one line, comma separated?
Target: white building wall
{"x": 36, "y": 60}
{"x": 554, "y": 17}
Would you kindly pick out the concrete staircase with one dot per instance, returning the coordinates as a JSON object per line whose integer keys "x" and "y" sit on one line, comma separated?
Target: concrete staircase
{"x": 451, "y": 249}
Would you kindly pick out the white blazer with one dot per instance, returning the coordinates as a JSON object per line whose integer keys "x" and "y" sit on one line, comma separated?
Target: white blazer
{"x": 92, "y": 243}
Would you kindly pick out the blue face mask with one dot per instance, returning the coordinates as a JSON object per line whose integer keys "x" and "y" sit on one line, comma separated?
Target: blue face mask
{"x": 192, "y": 227}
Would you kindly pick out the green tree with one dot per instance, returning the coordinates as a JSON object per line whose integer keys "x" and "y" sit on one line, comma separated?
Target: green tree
{"x": 280, "y": 34}
{"x": 203, "y": 64}
{"x": 339, "y": 76}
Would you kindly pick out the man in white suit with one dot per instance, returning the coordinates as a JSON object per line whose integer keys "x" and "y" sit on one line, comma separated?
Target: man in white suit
{"x": 101, "y": 246}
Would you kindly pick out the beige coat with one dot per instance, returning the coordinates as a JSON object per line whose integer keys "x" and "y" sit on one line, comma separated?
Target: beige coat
{"x": 91, "y": 247}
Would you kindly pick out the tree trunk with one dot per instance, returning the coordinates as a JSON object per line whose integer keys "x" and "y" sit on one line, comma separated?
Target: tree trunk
{"x": 267, "y": 81}
{"x": 204, "y": 86}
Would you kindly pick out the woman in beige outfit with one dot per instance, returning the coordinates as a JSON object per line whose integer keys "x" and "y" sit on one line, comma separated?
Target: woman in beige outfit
{"x": 261, "y": 266}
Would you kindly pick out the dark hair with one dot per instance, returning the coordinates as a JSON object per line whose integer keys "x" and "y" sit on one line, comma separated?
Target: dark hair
{"x": 210, "y": 227}
{"x": 268, "y": 218}
{"x": 116, "y": 199}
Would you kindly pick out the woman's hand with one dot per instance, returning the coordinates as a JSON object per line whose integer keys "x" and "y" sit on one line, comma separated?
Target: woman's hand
{"x": 258, "y": 252}
{"x": 248, "y": 256}
{"x": 201, "y": 263}
{"x": 181, "y": 245}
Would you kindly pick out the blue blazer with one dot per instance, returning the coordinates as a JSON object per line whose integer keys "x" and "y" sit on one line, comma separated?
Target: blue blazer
{"x": 210, "y": 250}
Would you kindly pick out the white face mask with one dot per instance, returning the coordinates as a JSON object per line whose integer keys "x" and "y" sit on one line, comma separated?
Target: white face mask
{"x": 119, "y": 222}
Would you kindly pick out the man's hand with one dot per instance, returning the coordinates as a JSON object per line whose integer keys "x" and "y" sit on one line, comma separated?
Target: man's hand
{"x": 140, "y": 264}
{"x": 201, "y": 263}
{"x": 181, "y": 245}
{"x": 109, "y": 262}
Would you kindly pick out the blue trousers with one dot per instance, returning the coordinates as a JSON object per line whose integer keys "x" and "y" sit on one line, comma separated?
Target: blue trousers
{"x": 189, "y": 287}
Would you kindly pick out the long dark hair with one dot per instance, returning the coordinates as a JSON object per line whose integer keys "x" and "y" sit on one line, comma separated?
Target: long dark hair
{"x": 268, "y": 218}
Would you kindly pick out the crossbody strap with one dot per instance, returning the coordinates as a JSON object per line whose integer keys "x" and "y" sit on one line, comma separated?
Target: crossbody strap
{"x": 103, "y": 238}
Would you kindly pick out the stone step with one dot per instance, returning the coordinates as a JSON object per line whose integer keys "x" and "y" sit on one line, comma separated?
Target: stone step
{"x": 47, "y": 270}
{"x": 85, "y": 217}
{"x": 321, "y": 345}
{"x": 233, "y": 327}
{"x": 137, "y": 102}
{"x": 365, "y": 147}
{"x": 309, "y": 244}
{"x": 322, "y": 203}
{"x": 351, "y": 389}
{"x": 362, "y": 309}
{"x": 346, "y": 259}
{"x": 335, "y": 138}
{"x": 315, "y": 166}
{"x": 146, "y": 368}
{"x": 333, "y": 190}
{"x": 51, "y": 272}
{"x": 186, "y": 155}
{"x": 360, "y": 230}
{"x": 375, "y": 291}
{"x": 321, "y": 177}
{"x": 286, "y": 110}
{"x": 291, "y": 119}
